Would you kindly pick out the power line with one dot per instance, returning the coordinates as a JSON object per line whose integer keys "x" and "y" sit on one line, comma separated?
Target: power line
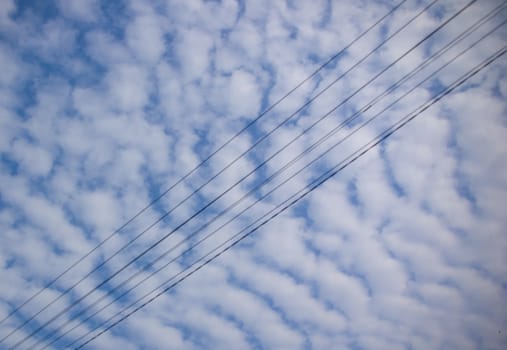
{"x": 297, "y": 197}
{"x": 355, "y": 115}
{"x": 188, "y": 174}
{"x": 216, "y": 175}
{"x": 159, "y": 241}
{"x": 202, "y": 209}
{"x": 186, "y": 251}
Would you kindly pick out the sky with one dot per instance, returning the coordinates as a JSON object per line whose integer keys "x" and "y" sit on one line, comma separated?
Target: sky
{"x": 105, "y": 105}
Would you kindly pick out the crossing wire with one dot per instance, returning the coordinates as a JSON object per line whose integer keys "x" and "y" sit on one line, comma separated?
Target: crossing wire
{"x": 135, "y": 259}
{"x": 158, "y": 242}
{"x": 193, "y": 170}
{"x": 216, "y": 175}
{"x": 225, "y": 246}
{"x": 313, "y": 146}
{"x": 362, "y": 110}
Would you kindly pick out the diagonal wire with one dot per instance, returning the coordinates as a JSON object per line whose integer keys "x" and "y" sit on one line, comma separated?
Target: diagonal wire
{"x": 225, "y": 246}
{"x": 187, "y": 175}
{"x": 216, "y": 175}
{"x": 437, "y": 54}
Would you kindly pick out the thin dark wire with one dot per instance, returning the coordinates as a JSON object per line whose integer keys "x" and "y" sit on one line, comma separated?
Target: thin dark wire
{"x": 175, "y": 228}
{"x": 160, "y": 196}
{"x": 315, "y": 184}
{"x": 313, "y": 146}
{"x": 246, "y": 176}
{"x": 216, "y": 175}
{"x": 97, "y": 287}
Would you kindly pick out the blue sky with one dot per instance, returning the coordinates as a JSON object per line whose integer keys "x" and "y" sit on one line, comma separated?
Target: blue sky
{"x": 104, "y": 105}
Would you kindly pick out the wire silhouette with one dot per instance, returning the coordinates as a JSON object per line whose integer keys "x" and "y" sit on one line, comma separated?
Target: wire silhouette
{"x": 225, "y": 246}
{"x": 193, "y": 170}
{"x": 436, "y": 54}
{"x": 313, "y": 146}
{"x": 208, "y": 181}
{"x": 160, "y": 240}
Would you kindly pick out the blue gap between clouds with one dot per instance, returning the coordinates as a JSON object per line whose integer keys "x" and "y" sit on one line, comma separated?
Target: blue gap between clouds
{"x": 395, "y": 186}
{"x": 252, "y": 340}
{"x": 293, "y": 325}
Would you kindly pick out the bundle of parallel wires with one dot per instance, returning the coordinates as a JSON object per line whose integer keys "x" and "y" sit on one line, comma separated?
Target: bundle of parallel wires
{"x": 127, "y": 286}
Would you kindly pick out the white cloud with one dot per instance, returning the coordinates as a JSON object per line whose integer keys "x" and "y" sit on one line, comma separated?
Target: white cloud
{"x": 244, "y": 95}
{"x": 55, "y": 40}
{"x": 102, "y": 107}
{"x": 6, "y": 10}
{"x": 145, "y": 38}
{"x": 99, "y": 210}
{"x": 105, "y": 49}
{"x": 12, "y": 67}
{"x": 35, "y": 160}
{"x": 129, "y": 87}
{"x": 80, "y": 10}
{"x": 192, "y": 49}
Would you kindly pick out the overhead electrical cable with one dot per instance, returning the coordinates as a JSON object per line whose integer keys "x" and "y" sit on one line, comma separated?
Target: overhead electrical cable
{"x": 292, "y": 200}
{"x": 116, "y": 298}
{"x": 159, "y": 241}
{"x": 140, "y": 255}
{"x": 220, "y": 172}
{"x": 193, "y": 170}
{"x": 321, "y": 140}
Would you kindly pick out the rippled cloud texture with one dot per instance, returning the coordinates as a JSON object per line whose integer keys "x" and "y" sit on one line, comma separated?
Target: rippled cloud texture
{"x": 104, "y": 105}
